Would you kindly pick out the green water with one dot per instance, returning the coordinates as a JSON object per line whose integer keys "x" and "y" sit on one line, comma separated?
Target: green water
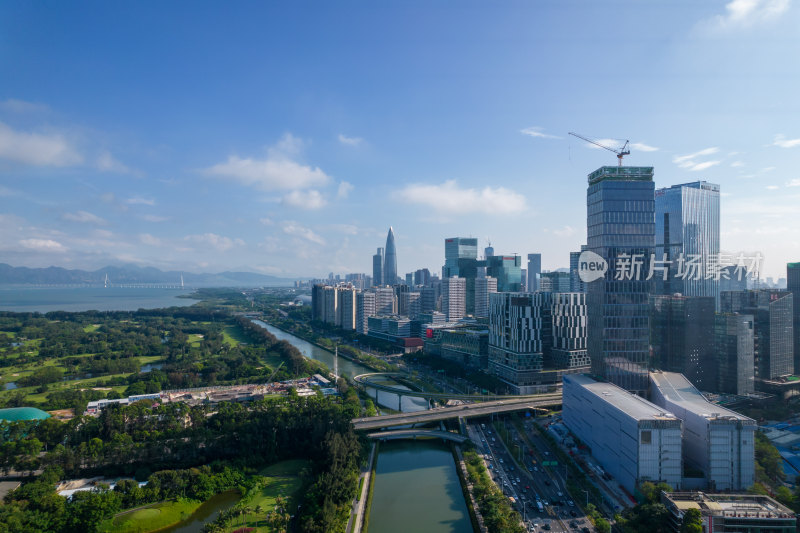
{"x": 417, "y": 489}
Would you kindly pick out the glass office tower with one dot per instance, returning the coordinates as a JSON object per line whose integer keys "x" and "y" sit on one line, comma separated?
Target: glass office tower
{"x": 620, "y": 227}
{"x": 687, "y": 227}
{"x": 507, "y": 269}
{"x": 461, "y": 259}
{"x": 390, "y": 260}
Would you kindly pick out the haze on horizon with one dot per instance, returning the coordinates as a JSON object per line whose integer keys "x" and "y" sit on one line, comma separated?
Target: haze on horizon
{"x": 285, "y": 139}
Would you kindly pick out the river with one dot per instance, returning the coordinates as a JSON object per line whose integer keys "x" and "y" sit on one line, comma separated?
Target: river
{"x": 416, "y": 483}
{"x": 346, "y": 366}
{"x": 417, "y": 489}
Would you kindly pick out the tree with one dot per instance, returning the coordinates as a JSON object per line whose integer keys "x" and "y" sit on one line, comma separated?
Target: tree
{"x": 692, "y": 521}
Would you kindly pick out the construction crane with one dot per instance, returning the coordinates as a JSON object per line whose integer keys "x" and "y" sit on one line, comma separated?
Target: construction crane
{"x": 620, "y": 152}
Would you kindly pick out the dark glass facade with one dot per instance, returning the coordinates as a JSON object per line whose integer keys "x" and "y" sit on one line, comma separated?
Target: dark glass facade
{"x": 507, "y": 270}
{"x": 390, "y": 260}
{"x": 620, "y": 222}
{"x": 733, "y": 351}
{"x": 377, "y": 268}
{"x": 681, "y": 335}
{"x": 793, "y": 286}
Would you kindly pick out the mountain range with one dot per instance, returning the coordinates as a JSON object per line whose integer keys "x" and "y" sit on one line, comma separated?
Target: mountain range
{"x": 132, "y": 274}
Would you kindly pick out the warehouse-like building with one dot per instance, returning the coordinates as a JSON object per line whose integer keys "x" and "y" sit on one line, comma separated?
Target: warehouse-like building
{"x": 718, "y": 441}
{"x": 633, "y": 439}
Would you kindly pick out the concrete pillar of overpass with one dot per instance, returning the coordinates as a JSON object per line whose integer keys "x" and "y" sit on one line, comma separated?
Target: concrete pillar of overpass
{"x": 400, "y": 402}
{"x": 376, "y": 397}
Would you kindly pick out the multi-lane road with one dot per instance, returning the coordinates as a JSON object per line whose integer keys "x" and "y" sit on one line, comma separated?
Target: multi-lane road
{"x": 529, "y": 483}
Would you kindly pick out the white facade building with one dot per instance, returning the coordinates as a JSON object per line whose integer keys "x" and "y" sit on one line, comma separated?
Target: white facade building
{"x": 347, "y": 307}
{"x": 633, "y": 439}
{"x": 718, "y": 441}
{"x": 365, "y": 308}
{"x": 454, "y": 298}
{"x": 483, "y": 288}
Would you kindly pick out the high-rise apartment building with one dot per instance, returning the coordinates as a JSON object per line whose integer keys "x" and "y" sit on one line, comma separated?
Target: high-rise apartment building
{"x": 520, "y": 332}
{"x": 772, "y": 312}
{"x": 454, "y": 295}
{"x": 507, "y": 270}
{"x": 793, "y": 286}
{"x": 377, "y": 268}
{"x": 569, "y": 331}
{"x": 687, "y": 238}
{"x": 681, "y": 337}
{"x": 390, "y": 260}
{"x": 347, "y": 307}
{"x": 365, "y": 308}
{"x": 534, "y": 271}
{"x": 385, "y": 301}
{"x": 734, "y": 353}
{"x": 621, "y": 230}
{"x": 484, "y": 287}
{"x": 422, "y": 276}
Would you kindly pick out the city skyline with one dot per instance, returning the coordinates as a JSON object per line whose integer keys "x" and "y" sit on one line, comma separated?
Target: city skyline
{"x": 291, "y": 139}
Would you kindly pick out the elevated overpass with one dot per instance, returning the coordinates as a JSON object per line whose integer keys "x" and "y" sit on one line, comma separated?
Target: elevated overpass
{"x": 368, "y": 380}
{"x": 459, "y": 411}
{"x": 414, "y": 433}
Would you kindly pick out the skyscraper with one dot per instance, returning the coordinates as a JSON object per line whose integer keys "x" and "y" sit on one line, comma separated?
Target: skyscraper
{"x": 793, "y": 286}
{"x": 534, "y": 271}
{"x": 390, "y": 260}
{"x": 454, "y": 294}
{"x": 734, "y": 353}
{"x": 621, "y": 230}
{"x": 483, "y": 288}
{"x": 377, "y": 268}
{"x": 687, "y": 235}
{"x": 507, "y": 270}
{"x": 461, "y": 259}
{"x": 575, "y": 282}
{"x": 681, "y": 336}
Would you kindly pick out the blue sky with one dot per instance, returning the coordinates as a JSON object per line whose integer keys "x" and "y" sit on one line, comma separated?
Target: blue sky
{"x": 286, "y": 138}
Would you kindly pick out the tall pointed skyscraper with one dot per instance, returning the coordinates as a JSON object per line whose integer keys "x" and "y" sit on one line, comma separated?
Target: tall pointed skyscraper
{"x": 390, "y": 260}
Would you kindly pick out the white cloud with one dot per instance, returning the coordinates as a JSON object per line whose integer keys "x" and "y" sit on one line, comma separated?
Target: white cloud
{"x": 736, "y": 164}
{"x": 21, "y": 106}
{"x": 448, "y": 197}
{"x": 5, "y": 191}
{"x": 43, "y": 245}
{"x": 344, "y": 189}
{"x": 346, "y": 229}
{"x": 154, "y": 218}
{"x": 689, "y": 162}
{"x": 783, "y": 142}
{"x": 350, "y": 141}
{"x": 140, "y": 200}
{"x": 702, "y": 166}
{"x": 566, "y": 231}
{"x": 772, "y": 187}
{"x": 311, "y": 199}
{"x": 267, "y": 221}
{"x": 793, "y": 183}
{"x": 37, "y": 149}
{"x": 642, "y": 147}
{"x": 278, "y": 171}
{"x": 296, "y": 230}
{"x": 536, "y": 131}
{"x": 215, "y": 241}
{"x": 84, "y": 217}
{"x": 106, "y": 163}
{"x": 747, "y": 13}
{"x": 149, "y": 240}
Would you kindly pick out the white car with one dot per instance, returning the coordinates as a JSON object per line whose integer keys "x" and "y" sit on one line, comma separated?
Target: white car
{"x": 571, "y": 503}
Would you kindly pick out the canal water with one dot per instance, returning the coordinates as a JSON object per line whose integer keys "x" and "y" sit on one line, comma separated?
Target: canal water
{"x": 346, "y": 366}
{"x": 417, "y": 489}
{"x": 206, "y": 513}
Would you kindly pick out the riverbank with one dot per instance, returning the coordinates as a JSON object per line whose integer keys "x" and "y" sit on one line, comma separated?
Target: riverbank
{"x": 389, "y": 367}
{"x": 360, "y": 522}
{"x": 475, "y": 517}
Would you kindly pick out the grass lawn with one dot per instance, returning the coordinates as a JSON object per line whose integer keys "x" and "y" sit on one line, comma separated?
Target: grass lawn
{"x": 93, "y": 327}
{"x": 284, "y": 480}
{"x": 150, "y": 518}
{"x": 233, "y": 335}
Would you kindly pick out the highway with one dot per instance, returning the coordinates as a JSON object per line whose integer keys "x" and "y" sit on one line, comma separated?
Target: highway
{"x": 459, "y": 411}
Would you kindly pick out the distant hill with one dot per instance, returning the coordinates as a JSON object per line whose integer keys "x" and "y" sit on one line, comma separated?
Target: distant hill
{"x": 128, "y": 274}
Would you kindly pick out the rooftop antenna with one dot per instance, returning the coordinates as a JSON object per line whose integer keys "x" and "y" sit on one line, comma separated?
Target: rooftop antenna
{"x": 621, "y": 152}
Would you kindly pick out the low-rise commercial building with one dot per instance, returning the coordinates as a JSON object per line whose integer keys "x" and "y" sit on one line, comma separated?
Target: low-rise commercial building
{"x": 633, "y": 439}
{"x": 723, "y": 513}
{"x": 716, "y": 440}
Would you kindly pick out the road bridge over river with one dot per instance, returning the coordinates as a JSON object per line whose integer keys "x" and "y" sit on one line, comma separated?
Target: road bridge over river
{"x": 414, "y": 433}
{"x": 459, "y": 411}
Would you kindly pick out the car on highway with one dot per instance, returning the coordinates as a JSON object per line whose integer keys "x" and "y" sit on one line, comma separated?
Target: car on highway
{"x": 571, "y": 503}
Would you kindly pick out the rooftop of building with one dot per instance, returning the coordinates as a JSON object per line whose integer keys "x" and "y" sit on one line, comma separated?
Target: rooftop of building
{"x": 694, "y": 185}
{"x": 730, "y": 505}
{"x": 621, "y": 174}
{"x": 678, "y": 389}
{"x": 634, "y": 406}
